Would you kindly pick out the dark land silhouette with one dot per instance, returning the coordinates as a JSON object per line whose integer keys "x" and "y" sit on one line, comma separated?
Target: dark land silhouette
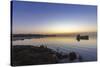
{"x": 32, "y": 55}
{"x": 30, "y": 36}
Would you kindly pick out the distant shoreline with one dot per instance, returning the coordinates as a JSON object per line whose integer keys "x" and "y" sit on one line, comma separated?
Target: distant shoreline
{"x": 30, "y": 36}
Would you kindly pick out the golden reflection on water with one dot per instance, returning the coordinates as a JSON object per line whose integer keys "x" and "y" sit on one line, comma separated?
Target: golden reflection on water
{"x": 56, "y": 40}
{"x": 61, "y": 39}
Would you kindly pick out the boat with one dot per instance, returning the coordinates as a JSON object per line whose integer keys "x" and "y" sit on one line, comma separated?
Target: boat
{"x": 85, "y": 37}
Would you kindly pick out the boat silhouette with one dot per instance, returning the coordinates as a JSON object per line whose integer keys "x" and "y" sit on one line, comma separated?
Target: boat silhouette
{"x": 85, "y": 37}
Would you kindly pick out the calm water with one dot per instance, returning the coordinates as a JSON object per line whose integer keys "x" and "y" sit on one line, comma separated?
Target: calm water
{"x": 86, "y": 48}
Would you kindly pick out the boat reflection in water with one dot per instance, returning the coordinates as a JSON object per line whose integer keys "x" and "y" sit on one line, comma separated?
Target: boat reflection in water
{"x": 85, "y": 37}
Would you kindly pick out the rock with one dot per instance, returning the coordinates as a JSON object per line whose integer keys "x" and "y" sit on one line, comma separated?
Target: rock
{"x": 72, "y": 56}
{"x": 32, "y": 55}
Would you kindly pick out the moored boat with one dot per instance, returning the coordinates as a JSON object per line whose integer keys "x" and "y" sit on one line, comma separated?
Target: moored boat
{"x": 85, "y": 37}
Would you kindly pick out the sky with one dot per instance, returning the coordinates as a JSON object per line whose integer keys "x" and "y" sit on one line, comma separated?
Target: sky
{"x": 50, "y": 18}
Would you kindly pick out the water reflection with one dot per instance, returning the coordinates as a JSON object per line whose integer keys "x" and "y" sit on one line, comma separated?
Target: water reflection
{"x": 87, "y": 48}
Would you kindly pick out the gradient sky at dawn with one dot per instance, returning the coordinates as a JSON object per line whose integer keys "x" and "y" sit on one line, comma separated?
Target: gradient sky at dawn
{"x": 47, "y": 18}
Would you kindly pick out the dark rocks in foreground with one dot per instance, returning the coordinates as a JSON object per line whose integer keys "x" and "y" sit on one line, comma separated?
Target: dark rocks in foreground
{"x": 72, "y": 56}
{"x": 32, "y": 55}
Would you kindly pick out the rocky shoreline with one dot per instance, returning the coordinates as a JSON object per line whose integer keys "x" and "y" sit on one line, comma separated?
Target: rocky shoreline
{"x": 33, "y": 55}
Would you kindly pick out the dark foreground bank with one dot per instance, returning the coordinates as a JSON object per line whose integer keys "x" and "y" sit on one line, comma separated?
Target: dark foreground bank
{"x": 32, "y": 55}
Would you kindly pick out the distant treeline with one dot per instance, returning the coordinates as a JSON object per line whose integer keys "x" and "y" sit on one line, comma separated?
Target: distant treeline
{"x": 53, "y": 35}
{"x": 31, "y": 35}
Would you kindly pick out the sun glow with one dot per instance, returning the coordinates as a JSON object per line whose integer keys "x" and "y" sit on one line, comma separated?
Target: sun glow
{"x": 66, "y": 28}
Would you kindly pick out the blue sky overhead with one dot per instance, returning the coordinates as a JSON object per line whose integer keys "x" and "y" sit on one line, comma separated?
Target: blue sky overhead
{"x": 49, "y": 18}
